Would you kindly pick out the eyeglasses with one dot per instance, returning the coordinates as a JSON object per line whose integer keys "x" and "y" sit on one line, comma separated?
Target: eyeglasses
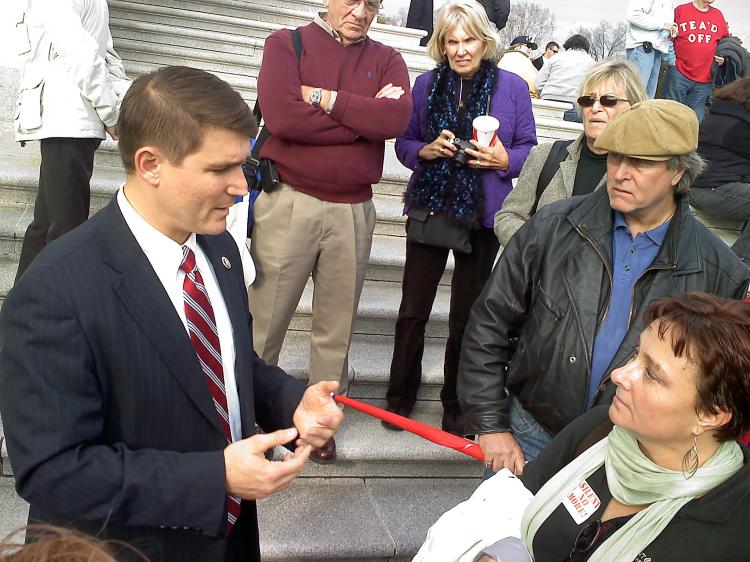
{"x": 555, "y": 51}
{"x": 588, "y": 536}
{"x": 371, "y": 6}
{"x": 607, "y": 100}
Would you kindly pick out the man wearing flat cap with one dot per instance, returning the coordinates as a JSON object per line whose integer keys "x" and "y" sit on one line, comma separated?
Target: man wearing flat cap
{"x": 564, "y": 304}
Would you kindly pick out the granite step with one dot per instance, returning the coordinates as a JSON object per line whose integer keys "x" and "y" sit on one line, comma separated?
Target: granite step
{"x": 229, "y": 14}
{"x": 361, "y": 520}
{"x": 369, "y": 364}
{"x": 387, "y": 256}
{"x": 19, "y": 175}
{"x": 13, "y": 510}
{"x": 202, "y": 31}
{"x": 366, "y": 448}
{"x": 378, "y": 309}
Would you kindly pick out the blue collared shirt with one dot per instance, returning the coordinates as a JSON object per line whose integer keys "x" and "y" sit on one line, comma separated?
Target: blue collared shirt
{"x": 631, "y": 258}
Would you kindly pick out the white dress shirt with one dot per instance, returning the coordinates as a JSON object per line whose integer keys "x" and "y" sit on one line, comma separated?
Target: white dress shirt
{"x": 165, "y": 256}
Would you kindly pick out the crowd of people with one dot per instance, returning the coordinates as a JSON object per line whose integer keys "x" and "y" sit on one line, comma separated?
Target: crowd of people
{"x": 604, "y": 351}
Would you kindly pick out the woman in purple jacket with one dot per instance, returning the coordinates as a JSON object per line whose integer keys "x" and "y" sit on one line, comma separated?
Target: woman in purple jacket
{"x": 467, "y": 189}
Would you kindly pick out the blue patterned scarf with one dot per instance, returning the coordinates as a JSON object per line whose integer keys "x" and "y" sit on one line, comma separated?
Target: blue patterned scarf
{"x": 445, "y": 186}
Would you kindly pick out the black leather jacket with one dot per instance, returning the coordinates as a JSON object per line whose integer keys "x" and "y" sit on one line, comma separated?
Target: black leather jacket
{"x": 532, "y": 329}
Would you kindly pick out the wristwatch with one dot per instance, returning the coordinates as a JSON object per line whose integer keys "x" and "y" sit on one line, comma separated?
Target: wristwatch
{"x": 315, "y": 97}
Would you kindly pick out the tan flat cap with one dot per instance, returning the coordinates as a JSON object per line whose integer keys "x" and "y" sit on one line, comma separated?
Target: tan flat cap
{"x": 652, "y": 130}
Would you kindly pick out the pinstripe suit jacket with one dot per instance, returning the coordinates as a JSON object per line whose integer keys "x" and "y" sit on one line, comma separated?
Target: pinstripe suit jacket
{"x": 109, "y": 421}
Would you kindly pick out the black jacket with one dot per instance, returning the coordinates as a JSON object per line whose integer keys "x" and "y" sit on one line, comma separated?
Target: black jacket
{"x": 532, "y": 329}
{"x": 736, "y": 62}
{"x": 724, "y": 141}
{"x": 710, "y": 528}
{"x": 497, "y": 10}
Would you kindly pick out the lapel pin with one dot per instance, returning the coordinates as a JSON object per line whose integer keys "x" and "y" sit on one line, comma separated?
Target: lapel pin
{"x": 225, "y": 261}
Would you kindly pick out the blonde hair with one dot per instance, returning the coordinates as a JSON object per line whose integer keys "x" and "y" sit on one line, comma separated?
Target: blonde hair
{"x": 622, "y": 73}
{"x": 471, "y": 16}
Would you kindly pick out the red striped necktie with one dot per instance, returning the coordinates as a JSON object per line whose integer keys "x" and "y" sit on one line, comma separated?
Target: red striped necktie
{"x": 205, "y": 337}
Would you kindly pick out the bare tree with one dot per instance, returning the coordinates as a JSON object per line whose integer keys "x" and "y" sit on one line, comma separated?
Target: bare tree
{"x": 607, "y": 40}
{"x": 528, "y": 18}
{"x": 398, "y": 18}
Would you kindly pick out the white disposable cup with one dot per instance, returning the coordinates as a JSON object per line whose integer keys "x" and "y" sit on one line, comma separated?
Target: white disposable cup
{"x": 485, "y": 127}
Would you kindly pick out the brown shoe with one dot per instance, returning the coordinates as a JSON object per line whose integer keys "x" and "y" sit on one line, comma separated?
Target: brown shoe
{"x": 325, "y": 454}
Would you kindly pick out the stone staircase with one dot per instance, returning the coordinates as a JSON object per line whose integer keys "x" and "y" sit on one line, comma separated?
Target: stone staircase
{"x": 387, "y": 488}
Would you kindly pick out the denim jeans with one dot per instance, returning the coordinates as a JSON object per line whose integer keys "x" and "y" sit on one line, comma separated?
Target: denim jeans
{"x": 680, "y": 88}
{"x": 531, "y": 437}
{"x": 572, "y": 115}
{"x": 729, "y": 201}
{"x": 648, "y": 65}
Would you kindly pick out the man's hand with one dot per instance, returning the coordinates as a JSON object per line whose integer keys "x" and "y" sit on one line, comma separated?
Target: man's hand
{"x": 493, "y": 157}
{"x": 317, "y": 417}
{"x": 441, "y": 147}
{"x": 501, "y": 450}
{"x": 250, "y": 476}
{"x": 719, "y": 60}
{"x": 390, "y": 91}
{"x": 113, "y": 132}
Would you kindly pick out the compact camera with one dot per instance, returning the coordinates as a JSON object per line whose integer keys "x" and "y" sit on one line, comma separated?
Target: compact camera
{"x": 461, "y": 158}
{"x": 261, "y": 174}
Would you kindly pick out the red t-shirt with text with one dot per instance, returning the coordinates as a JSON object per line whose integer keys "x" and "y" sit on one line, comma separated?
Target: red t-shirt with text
{"x": 697, "y": 35}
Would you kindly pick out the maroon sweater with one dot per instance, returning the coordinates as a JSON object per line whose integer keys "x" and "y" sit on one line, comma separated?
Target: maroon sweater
{"x": 334, "y": 157}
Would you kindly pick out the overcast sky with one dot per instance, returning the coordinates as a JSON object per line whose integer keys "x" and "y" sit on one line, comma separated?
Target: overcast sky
{"x": 572, "y": 13}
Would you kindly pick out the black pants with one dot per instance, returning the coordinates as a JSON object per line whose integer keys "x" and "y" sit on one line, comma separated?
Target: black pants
{"x": 62, "y": 201}
{"x": 422, "y": 271}
{"x": 420, "y": 17}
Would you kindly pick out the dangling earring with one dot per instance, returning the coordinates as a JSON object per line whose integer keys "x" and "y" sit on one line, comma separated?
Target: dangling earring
{"x": 690, "y": 460}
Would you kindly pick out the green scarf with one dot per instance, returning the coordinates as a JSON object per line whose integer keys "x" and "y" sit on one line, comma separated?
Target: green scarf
{"x": 633, "y": 480}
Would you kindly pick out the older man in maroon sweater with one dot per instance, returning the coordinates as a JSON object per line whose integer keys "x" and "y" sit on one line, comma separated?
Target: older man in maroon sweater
{"x": 330, "y": 113}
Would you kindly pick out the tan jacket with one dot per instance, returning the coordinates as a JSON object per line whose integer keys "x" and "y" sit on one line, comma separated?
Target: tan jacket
{"x": 517, "y": 206}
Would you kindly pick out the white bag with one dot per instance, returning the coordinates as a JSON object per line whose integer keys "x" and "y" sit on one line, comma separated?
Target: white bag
{"x": 492, "y": 513}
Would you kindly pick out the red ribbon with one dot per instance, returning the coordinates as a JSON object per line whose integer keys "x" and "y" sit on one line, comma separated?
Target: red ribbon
{"x": 425, "y": 431}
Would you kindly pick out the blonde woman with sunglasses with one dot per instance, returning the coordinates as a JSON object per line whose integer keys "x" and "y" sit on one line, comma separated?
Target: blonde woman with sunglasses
{"x": 609, "y": 87}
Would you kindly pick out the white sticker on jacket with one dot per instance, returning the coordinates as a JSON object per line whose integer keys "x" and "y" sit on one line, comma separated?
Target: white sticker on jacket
{"x": 581, "y": 502}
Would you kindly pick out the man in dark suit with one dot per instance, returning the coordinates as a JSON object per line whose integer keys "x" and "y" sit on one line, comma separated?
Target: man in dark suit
{"x": 129, "y": 389}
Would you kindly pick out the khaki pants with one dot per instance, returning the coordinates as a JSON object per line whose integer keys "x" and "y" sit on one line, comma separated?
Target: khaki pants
{"x": 296, "y": 235}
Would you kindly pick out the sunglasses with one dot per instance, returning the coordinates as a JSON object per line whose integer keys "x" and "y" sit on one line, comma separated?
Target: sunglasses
{"x": 607, "y": 100}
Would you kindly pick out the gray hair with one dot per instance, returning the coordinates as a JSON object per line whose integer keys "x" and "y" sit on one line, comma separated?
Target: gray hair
{"x": 693, "y": 164}
{"x": 471, "y": 15}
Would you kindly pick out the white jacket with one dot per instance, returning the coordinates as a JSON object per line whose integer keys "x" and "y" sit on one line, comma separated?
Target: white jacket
{"x": 72, "y": 80}
{"x": 562, "y": 75}
{"x": 646, "y": 19}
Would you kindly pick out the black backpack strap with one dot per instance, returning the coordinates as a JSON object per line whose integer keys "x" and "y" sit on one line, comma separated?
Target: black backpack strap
{"x": 297, "y": 43}
{"x": 557, "y": 154}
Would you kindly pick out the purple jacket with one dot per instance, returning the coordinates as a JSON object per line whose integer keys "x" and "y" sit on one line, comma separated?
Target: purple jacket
{"x": 511, "y": 104}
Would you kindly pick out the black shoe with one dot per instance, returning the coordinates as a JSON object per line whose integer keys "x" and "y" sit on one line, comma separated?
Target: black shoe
{"x": 401, "y": 411}
{"x": 453, "y": 422}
